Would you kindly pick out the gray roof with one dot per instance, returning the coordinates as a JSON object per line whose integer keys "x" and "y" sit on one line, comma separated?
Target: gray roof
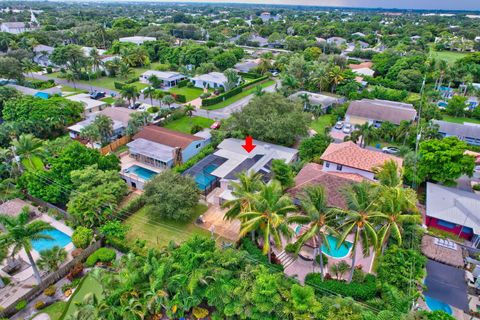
{"x": 213, "y": 77}
{"x": 382, "y": 110}
{"x": 458, "y": 129}
{"x": 151, "y": 149}
{"x": 453, "y": 205}
{"x": 32, "y": 92}
{"x": 14, "y": 25}
{"x": 43, "y": 48}
{"x": 317, "y": 98}
{"x": 163, "y": 75}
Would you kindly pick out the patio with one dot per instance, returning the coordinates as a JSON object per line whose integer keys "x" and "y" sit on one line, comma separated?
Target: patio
{"x": 213, "y": 220}
{"x": 434, "y": 250}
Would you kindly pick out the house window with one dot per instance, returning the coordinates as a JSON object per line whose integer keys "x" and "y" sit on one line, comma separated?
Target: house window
{"x": 198, "y": 145}
{"x": 446, "y": 224}
{"x": 339, "y": 167}
{"x": 327, "y": 164}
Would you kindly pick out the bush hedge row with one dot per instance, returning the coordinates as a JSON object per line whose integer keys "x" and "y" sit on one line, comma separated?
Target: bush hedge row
{"x": 182, "y": 83}
{"x": 248, "y": 84}
{"x": 118, "y": 85}
{"x": 249, "y": 74}
{"x": 222, "y": 97}
{"x": 359, "y": 291}
{"x": 180, "y": 98}
{"x": 101, "y": 255}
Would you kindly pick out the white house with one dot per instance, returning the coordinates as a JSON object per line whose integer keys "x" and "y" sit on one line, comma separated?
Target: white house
{"x": 209, "y": 80}
{"x": 90, "y": 105}
{"x": 377, "y": 111}
{"x": 42, "y": 55}
{"x": 168, "y": 78}
{"x": 347, "y": 157}
{"x": 337, "y": 41}
{"x": 15, "y": 27}
{"x": 138, "y": 40}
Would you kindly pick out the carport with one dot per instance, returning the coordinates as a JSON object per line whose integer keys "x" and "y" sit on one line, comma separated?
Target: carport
{"x": 446, "y": 284}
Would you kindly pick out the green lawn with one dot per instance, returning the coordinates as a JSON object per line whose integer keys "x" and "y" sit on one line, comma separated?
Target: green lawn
{"x": 189, "y": 93}
{"x": 159, "y": 232}
{"x": 89, "y": 285}
{"x": 34, "y": 163}
{"x": 54, "y": 310}
{"x": 186, "y": 123}
{"x": 108, "y": 100}
{"x": 239, "y": 96}
{"x": 449, "y": 56}
{"x": 322, "y": 122}
{"x": 459, "y": 119}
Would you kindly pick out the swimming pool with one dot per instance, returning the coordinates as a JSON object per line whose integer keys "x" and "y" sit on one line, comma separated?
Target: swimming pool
{"x": 204, "y": 178}
{"x": 59, "y": 239}
{"x": 437, "y": 305}
{"x": 142, "y": 172}
{"x": 335, "y": 252}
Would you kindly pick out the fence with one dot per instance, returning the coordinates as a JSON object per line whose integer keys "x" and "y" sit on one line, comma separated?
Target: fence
{"x": 47, "y": 205}
{"x": 51, "y": 279}
{"x": 115, "y": 145}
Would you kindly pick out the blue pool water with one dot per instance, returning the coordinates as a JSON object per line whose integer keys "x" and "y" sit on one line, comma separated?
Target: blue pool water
{"x": 59, "y": 239}
{"x": 142, "y": 172}
{"x": 42, "y": 95}
{"x": 298, "y": 229}
{"x": 204, "y": 179}
{"x": 341, "y": 252}
{"x": 434, "y": 305}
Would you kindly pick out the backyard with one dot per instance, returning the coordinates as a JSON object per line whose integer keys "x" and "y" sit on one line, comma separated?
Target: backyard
{"x": 459, "y": 119}
{"x": 449, "y": 56}
{"x": 322, "y": 122}
{"x": 189, "y": 93}
{"x": 241, "y": 95}
{"x": 159, "y": 232}
{"x": 88, "y": 285}
{"x": 185, "y": 124}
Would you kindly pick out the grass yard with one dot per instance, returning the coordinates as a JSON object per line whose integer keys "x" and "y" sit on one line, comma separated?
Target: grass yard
{"x": 54, "y": 310}
{"x": 322, "y": 122}
{"x": 88, "y": 285}
{"x": 449, "y": 56}
{"x": 239, "y": 96}
{"x": 108, "y": 100}
{"x": 459, "y": 119}
{"x": 189, "y": 93}
{"x": 186, "y": 123}
{"x": 71, "y": 90}
{"x": 159, "y": 232}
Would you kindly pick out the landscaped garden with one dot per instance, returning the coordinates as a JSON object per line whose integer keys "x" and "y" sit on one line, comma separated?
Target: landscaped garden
{"x": 185, "y": 124}
{"x": 89, "y": 285}
{"x": 190, "y": 93}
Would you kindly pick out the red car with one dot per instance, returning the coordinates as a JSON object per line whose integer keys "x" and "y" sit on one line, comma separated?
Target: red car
{"x": 215, "y": 125}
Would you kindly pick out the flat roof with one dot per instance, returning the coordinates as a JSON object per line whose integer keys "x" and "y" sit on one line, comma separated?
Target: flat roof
{"x": 88, "y": 102}
{"x": 151, "y": 149}
{"x": 215, "y": 77}
{"x": 163, "y": 75}
{"x": 470, "y": 130}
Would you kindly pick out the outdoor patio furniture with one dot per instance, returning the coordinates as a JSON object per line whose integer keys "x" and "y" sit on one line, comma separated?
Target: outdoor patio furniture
{"x": 12, "y": 265}
{"x": 200, "y": 220}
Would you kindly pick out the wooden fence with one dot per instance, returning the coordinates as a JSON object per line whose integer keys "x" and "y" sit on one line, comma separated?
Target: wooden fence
{"x": 51, "y": 279}
{"x": 115, "y": 145}
{"x": 42, "y": 203}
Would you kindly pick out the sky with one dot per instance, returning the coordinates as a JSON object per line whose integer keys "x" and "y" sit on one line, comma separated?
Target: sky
{"x": 400, "y": 4}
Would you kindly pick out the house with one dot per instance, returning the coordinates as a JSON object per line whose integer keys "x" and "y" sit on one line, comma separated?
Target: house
{"x": 317, "y": 99}
{"x": 477, "y": 39}
{"x": 119, "y": 116}
{"x": 267, "y": 17}
{"x": 468, "y": 132}
{"x": 138, "y": 40}
{"x": 168, "y": 78}
{"x": 454, "y": 211}
{"x": 377, "y": 111}
{"x": 362, "y": 45}
{"x": 348, "y": 157}
{"x": 87, "y": 50}
{"x": 333, "y": 183}
{"x": 209, "y": 80}
{"x": 337, "y": 41}
{"x": 163, "y": 148}
{"x": 17, "y": 27}
{"x": 247, "y": 65}
{"x": 358, "y": 34}
{"x": 89, "y": 104}
{"x": 253, "y": 40}
{"x": 219, "y": 169}
{"x": 43, "y": 93}
{"x": 42, "y": 55}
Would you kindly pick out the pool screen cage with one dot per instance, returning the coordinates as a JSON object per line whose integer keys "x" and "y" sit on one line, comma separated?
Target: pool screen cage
{"x": 200, "y": 166}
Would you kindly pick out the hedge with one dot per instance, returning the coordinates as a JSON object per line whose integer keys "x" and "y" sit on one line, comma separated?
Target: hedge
{"x": 103, "y": 255}
{"x": 182, "y": 83}
{"x": 249, "y": 74}
{"x": 254, "y": 81}
{"x": 188, "y": 164}
{"x": 222, "y": 97}
{"x": 180, "y": 98}
{"x": 359, "y": 291}
{"x": 118, "y": 85}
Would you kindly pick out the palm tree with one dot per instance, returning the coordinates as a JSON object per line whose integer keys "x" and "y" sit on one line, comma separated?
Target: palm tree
{"x": 104, "y": 126}
{"x": 188, "y": 109}
{"x": 335, "y": 75}
{"x": 20, "y": 235}
{"x": 130, "y": 92}
{"x": 51, "y": 259}
{"x": 95, "y": 59}
{"x": 124, "y": 70}
{"x": 359, "y": 218}
{"x": 27, "y": 147}
{"x": 136, "y": 122}
{"x": 389, "y": 174}
{"x": 149, "y": 92}
{"x": 319, "y": 219}
{"x": 259, "y": 91}
{"x": 248, "y": 183}
{"x": 28, "y": 66}
{"x": 168, "y": 100}
{"x": 269, "y": 208}
{"x": 70, "y": 77}
{"x": 90, "y": 133}
{"x": 367, "y": 132}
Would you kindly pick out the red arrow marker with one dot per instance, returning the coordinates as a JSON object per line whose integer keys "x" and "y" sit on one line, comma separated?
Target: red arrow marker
{"x": 248, "y": 146}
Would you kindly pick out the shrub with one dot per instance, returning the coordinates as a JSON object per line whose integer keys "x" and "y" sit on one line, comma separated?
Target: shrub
{"x": 119, "y": 244}
{"x": 180, "y": 98}
{"x": 21, "y": 305}
{"x": 325, "y": 259}
{"x": 190, "y": 84}
{"x": 104, "y": 255}
{"x": 290, "y": 248}
{"x": 196, "y": 128}
{"x": 205, "y": 95}
{"x": 6, "y": 280}
{"x": 118, "y": 85}
{"x": 75, "y": 272}
{"x": 248, "y": 84}
{"x": 200, "y": 313}
{"x": 189, "y": 163}
{"x": 131, "y": 80}
{"x": 50, "y": 291}
{"x": 183, "y": 83}
{"x": 49, "y": 70}
{"x": 153, "y": 109}
{"x": 222, "y": 97}
{"x": 257, "y": 254}
{"x": 39, "y": 305}
{"x": 476, "y": 187}
{"x": 82, "y": 237}
{"x": 358, "y": 291}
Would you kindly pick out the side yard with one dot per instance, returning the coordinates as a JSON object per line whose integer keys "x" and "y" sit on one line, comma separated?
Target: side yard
{"x": 186, "y": 124}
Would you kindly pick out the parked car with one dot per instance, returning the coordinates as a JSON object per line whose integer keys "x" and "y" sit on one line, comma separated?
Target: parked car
{"x": 339, "y": 125}
{"x": 390, "y": 150}
{"x": 215, "y": 125}
{"x": 135, "y": 106}
{"x": 97, "y": 95}
{"x": 143, "y": 107}
{"x": 347, "y": 128}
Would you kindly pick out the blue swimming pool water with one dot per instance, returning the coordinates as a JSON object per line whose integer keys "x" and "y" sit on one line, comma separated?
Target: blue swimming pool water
{"x": 142, "y": 172}
{"x": 434, "y": 305}
{"x": 341, "y": 252}
{"x": 59, "y": 239}
{"x": 298, "y": 229}
{"x": 204, "y": 178}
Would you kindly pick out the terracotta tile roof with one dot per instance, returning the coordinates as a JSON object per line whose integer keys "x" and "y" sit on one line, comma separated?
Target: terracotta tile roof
{"x": 351, "y": 155}
{"x": 382, "y": 110}
{"x": 333, "y": 182}
{"x": 166, "y": 137}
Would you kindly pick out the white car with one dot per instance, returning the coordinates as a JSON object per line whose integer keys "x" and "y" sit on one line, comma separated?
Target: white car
{"x": 347, "y": 128}
{"x": 339, "y": 125}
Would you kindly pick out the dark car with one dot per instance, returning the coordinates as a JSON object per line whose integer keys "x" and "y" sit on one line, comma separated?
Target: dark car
{"x": 97, "y": 95}
{"x": 135, "y": 106}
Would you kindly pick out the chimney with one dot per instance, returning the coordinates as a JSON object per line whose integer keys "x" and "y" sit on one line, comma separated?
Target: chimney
{"x": 177, "y": 156}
